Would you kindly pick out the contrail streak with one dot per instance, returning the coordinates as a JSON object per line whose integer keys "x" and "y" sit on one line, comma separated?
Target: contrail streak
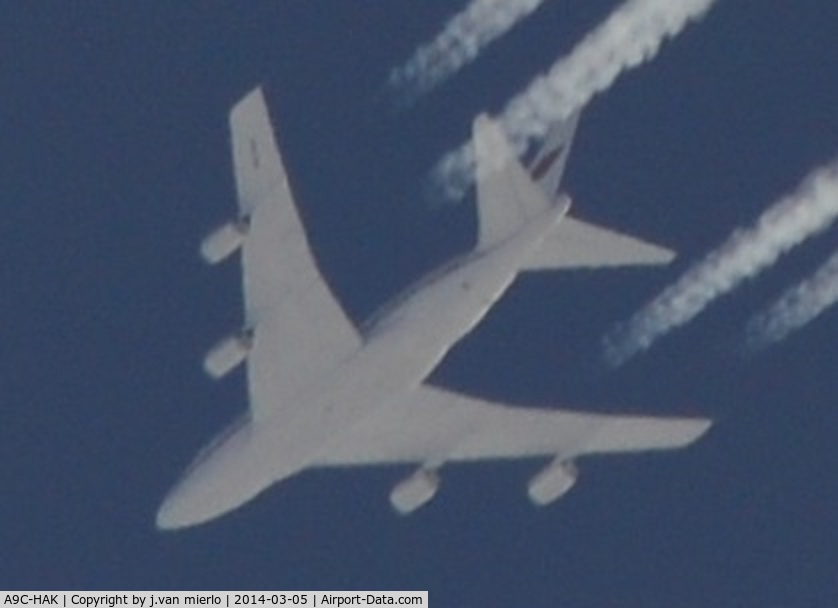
{"x": 795, "y": 308}
{"x": 630, "y": 36}
{"x": 787, "y": 223}
{"x": 459, "y": 43}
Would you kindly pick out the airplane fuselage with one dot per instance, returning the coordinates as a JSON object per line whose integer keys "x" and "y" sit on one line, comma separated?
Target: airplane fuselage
{"x": 399, "y": 351}
{"x": 412, "y": 339}
{"x": 323, "y": 393}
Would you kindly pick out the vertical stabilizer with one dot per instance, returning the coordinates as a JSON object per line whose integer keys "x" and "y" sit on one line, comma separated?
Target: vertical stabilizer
{"x": 548, "y": 165}
{"x": 507, "y": 197}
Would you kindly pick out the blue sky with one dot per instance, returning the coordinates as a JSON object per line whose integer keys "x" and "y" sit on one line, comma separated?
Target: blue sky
{"x": 115, "y": 164}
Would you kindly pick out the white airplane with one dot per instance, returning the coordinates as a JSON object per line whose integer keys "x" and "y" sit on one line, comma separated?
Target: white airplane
{"x": 325, "y": 394}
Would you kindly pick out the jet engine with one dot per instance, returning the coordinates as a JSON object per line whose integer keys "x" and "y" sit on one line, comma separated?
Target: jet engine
{"x": 552, "y": 482}
{"x": 415, "y": 491}
{"x": 223, "y": 241}
{"x": 228, "y": 354}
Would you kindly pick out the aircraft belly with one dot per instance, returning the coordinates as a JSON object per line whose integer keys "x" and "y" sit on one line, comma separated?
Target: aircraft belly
{"x": 419, "y": 333}
{"x": 398, "y": 437}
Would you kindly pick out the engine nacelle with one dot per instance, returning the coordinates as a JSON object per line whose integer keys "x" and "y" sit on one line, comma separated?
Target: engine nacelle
{"x": 222, "y": 242}
{"x": 552, "y": 482}
{"x": 228, "y": 354}
{"x": 415, "y": 491}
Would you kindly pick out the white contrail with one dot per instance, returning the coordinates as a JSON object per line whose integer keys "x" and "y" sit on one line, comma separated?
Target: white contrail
{"x": 459, "y": 43}
{"x": 745, "y": 253}
{"x": 630, "y": 36}
{"x": 795, "y": 308}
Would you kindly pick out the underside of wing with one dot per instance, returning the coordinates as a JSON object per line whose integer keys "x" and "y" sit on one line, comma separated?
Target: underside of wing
{"x": 298, "y": 328}
{"x": 433, "y": 426}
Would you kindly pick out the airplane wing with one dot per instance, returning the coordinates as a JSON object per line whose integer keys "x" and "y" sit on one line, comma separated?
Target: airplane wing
{"x": 435, "y": 426}
{"x": 299, "y": 329}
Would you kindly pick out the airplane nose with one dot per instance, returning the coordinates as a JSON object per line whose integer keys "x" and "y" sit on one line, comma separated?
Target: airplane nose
{"x": 179, "y": 510}
{"x": 227, "y": 474}
{"x": 204, "y": 495}
{"x": 183, "y": 508}
{"x": 169, "y": 516}
{"x": 199, "y": 500}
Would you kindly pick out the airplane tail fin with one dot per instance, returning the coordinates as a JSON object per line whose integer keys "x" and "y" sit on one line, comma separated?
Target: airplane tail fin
{"x": 548, "y": 165}
{"x": 507, "y": 197}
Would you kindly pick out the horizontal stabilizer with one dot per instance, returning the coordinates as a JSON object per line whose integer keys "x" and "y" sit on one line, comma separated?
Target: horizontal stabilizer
{"x": 578, "y": 244}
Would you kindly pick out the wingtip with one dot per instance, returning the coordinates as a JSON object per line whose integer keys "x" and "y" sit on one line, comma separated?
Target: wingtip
{"x": 665, "y": 256}
{"x": 253, "y": 99}
{"x": 650, "y": 254}
{"x": 698, "y": 429}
